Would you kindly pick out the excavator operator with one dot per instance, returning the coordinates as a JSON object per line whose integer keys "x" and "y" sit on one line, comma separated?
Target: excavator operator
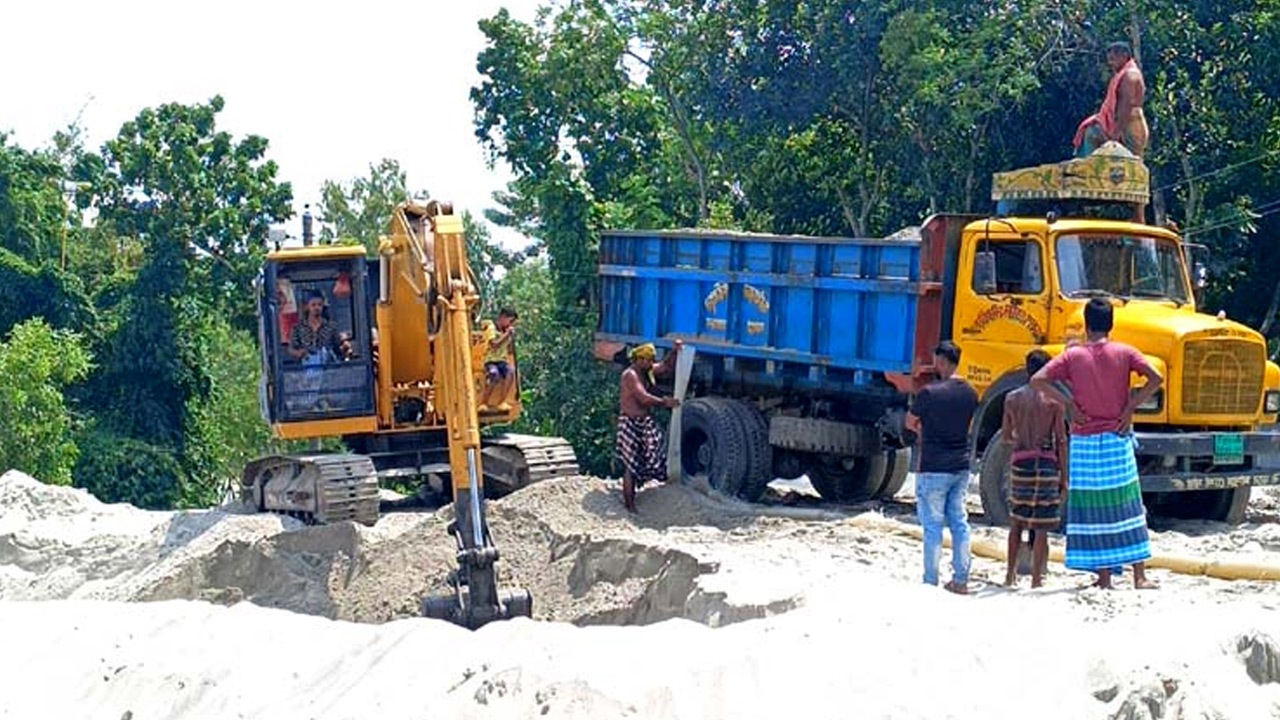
{"x": 317, "y": 335}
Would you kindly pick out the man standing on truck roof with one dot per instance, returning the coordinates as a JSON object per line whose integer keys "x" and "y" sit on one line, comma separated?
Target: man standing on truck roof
{"x": 639, "y": 439}
{"x": 1120, "y": 118}
{"x": 940, "y": 416}
{"x": 1106, "y": 520}
{"x": 1035, "y": 428}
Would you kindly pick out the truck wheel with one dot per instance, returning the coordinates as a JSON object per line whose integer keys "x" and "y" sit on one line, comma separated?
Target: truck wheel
{"x": 758, "y": 451}
{"x": 897, "y": 464}
{"x": 787, "y": 464}
{"x": 1234, "y": 503}
{"x": 849, "y": 479}
{"x": 824, "y": 481}
{"x": 994, "y": 476}
{"x": 713, "y": 443}
{"x": 1227, "y": 506}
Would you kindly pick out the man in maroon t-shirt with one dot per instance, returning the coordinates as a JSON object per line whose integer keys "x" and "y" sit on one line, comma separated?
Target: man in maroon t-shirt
{"x": 1106, "y": 521}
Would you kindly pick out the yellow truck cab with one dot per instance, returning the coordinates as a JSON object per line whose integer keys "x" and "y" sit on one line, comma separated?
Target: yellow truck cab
{"x": 1021, "y": 281}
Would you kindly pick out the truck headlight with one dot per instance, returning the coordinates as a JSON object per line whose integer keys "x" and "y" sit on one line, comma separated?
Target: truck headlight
{"x": 1271, "y": 402}
{"x": 1154, "y": 404}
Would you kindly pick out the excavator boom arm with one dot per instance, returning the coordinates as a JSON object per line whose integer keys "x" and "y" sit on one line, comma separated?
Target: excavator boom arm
{"x": 476, "y": 599}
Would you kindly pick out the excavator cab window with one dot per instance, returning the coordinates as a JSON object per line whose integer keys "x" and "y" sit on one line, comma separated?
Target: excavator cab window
{"x": 320, "y": 368}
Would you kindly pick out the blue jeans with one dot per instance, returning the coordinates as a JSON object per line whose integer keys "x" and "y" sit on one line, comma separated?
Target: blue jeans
{"x": 939, "y": 498}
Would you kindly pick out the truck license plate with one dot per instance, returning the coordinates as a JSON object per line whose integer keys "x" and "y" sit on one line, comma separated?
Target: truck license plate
{"x": 1228, "y": 449}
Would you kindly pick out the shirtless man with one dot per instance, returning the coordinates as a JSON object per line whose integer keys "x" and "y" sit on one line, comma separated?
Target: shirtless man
{"x": 1035, "y": 428}
{"x": 639, "y": 438}
{"x": 1120, "y": 118}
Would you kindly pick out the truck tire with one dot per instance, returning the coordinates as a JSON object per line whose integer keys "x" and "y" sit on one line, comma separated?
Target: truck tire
{"x": 1226, "y": 506}
{"x": 898, "y": 464}
{"x": 848, "y": 479}
{"x": 758, "y": 451}
{"x": 713, "y": 443}
{"x": 994, "y": 480}
{"x": 787, "y": 464}
{"x": 1234, "y": 504}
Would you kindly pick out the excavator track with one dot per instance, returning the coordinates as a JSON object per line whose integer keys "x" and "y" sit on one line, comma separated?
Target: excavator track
{"x": 318, "y": 489}
{"x": 513, "y": 461}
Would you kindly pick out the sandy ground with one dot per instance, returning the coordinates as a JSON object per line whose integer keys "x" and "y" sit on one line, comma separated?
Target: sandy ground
{"x": 741, "y": 615}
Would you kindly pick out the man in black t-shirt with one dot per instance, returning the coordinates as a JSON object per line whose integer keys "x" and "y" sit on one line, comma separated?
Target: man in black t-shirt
{"x": 940, "y": 418}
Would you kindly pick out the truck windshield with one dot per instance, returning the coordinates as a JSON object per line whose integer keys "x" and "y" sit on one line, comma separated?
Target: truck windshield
{"x": 1128, "y": 266}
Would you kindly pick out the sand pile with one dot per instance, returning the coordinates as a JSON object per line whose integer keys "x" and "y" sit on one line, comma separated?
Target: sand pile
{"x": 565, "y": 541}
{"x": 811, "y": 618}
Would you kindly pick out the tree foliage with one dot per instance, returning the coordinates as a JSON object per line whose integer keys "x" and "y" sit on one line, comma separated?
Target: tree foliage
{"x": 838, "y": 117}
{"x": 37, "y": 433}
{"x": 564, "y": 391}
{"x": 359, "y": 210}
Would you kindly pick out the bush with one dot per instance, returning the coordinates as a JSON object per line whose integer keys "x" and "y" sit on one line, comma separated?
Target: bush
{"x": 564, "y": 390}
{"x": 225, "y": 430}
{"x": 36, "y": 429}
{"x": 116, "y": 468}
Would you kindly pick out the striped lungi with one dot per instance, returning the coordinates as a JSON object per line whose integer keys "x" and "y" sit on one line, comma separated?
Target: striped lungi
{"x": 640, "y": 448}
{"x": 1034, "y": 493}
{"x": 1106, "y": 521}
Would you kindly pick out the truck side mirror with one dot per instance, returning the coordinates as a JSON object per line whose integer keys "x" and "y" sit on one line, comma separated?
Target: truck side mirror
{"x": 984, "y": 272}
{"x": 1200, "y": 276}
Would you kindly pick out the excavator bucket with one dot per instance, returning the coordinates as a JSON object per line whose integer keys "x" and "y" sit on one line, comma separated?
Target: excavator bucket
{"x": 476, "y": 599}
{"x": 459, "y": 610}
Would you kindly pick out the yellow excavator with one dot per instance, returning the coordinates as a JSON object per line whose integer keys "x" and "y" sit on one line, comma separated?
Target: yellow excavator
{"x": 388, "y": 356}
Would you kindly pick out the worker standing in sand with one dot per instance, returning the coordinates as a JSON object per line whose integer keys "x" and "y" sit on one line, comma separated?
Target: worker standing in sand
{"x": 639, "y": 441}
{"x": 1035, "y": 428}
{"x": 1106, "y": 520}
{"x": 940, "y": 416}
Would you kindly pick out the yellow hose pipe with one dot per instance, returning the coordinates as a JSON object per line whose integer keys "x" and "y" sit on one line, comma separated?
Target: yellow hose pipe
{"x": 982, "y": 547}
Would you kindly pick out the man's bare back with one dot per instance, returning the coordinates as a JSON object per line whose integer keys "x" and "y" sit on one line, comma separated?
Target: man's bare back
{"x": 1033, "y": 422}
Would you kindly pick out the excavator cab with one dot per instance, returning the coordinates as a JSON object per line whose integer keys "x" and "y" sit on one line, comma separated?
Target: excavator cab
{"x": 316, "y": 374}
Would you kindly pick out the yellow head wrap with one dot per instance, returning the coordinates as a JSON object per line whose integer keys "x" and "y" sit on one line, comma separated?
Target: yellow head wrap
{"x": 646, "y": 351}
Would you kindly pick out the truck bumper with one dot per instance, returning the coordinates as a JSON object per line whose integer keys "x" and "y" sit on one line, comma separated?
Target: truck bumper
{"x": 1180, "y": 452}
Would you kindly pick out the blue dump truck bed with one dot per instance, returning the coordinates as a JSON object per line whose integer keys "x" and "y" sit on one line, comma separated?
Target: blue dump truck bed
{"x": 826, "y": 312}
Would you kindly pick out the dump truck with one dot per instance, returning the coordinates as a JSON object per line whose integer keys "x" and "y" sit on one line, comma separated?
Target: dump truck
{"x": 809, "y": 349}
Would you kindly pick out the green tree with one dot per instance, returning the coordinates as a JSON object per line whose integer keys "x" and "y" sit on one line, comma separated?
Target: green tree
{"x": 564, "y": 390}
{"x": 36, "y": 430}
{"x": 228, "y": 420}
{"x": 360, "y": 210}
{"x": 199, "y": 203}
{"x": 33, "y": 210}
{"x": 170, "y": 178}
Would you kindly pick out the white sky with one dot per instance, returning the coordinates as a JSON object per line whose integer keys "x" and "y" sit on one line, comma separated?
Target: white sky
{"x": 334, "y": 86}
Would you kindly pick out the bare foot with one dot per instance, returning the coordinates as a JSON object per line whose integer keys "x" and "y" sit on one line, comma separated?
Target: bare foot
{"x": 1011, "y": 582}
{"x": 1145, "y": 584}
{"x": 1101, "y": 584}
{"x": 1037, "y": 584}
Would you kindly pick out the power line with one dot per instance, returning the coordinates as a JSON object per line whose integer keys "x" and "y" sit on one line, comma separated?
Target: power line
{"x": 1219, "y": 171}
{"x": 1261, "y": 211}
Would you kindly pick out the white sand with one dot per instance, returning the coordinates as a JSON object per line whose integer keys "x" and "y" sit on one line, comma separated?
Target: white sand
{"x": 816, "y": 619}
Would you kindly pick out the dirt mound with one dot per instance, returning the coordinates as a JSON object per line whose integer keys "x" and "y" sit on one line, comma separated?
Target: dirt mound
{"x": 567, "y": 541}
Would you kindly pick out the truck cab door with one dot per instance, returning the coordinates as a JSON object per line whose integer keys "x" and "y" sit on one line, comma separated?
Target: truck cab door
{"x": 1002, "y": 305}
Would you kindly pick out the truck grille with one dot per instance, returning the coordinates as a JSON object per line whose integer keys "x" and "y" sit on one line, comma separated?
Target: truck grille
{"x": 1222, "y": 377}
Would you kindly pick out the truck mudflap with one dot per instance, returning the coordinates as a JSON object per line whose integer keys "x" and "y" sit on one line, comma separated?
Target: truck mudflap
{"x": 1230, "y": 460}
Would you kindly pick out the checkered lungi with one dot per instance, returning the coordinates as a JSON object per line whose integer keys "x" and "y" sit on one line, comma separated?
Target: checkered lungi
{"x": 1106, "y": 521}
{"x": 640, "y": 448}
